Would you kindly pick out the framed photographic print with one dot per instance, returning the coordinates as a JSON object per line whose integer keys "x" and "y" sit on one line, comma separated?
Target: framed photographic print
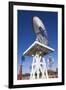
{"x": 36, "y": 44}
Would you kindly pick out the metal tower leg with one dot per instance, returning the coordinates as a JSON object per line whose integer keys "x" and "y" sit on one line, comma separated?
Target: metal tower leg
{"x": 38, "y": 67}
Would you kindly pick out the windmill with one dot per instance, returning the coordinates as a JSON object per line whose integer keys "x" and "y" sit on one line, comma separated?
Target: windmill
{"x": 38, "y": 50}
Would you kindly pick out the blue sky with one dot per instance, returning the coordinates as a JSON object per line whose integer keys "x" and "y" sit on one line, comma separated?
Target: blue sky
{"x": 26, "y": 35}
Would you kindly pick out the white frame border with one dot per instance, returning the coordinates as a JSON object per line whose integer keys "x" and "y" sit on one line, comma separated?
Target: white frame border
{"x": 34, "y": 8}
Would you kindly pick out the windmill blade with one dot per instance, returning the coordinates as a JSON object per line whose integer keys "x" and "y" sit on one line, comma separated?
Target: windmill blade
{"x": 40, "y": 30}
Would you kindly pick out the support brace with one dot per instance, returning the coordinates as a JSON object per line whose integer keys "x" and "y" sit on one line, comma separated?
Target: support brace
{"x": 39, "y": 69}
